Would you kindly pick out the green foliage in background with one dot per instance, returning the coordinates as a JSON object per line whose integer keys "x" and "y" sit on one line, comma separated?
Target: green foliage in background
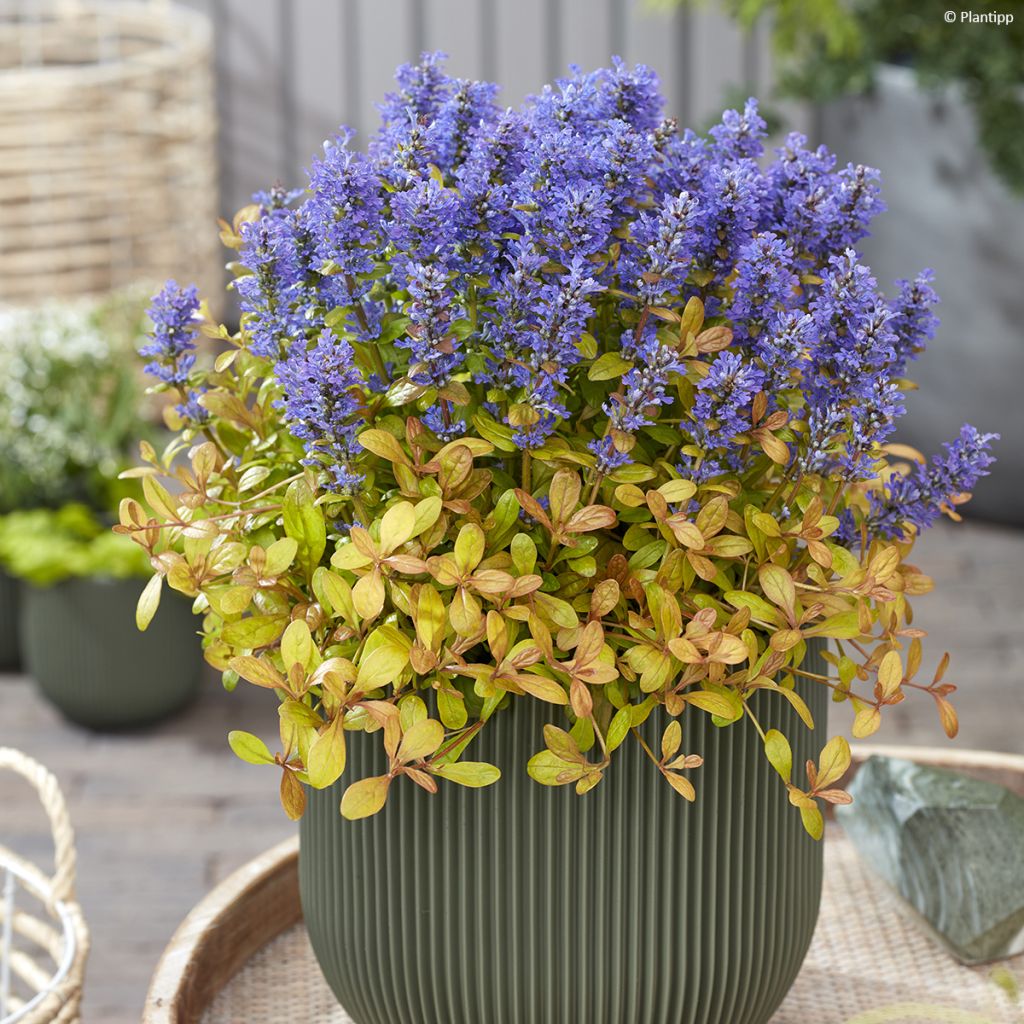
{"x": 70, "y": 414}
{"x": 45, "y": 546}
{"x": 832, "y": 48}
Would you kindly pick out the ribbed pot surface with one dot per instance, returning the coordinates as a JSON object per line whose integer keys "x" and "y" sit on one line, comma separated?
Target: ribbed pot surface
{"x": 80, "y": 644}
{"x": 520, "y": 904}
{"x": 8, "y": 621}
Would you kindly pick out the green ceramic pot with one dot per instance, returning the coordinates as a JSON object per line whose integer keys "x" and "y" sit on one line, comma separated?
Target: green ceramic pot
{"x": 80, "y": 643}
{"x": 520, "y": 904}
{"x": 8, "y": 622}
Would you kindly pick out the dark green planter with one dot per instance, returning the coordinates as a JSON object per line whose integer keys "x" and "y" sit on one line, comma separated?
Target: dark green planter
{"x": 520, "y": 904}
{"x": 80, "y": 643}
{"x": 8, "y": 622}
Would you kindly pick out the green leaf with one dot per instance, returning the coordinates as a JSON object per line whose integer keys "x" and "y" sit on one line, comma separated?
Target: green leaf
{"x": 255, "y": 631}
{"x": 469, "y": 547}
{"x": 779, "y": 753}
{"x": 497, "y": 433}
{"x": 778, "y": 586}
{"x": 451, "y": 709}
{"x": 297, "y": 645}
{"x": 550, "y": 770}
{"x": 304, "y": 523}
{"x": 814, "y": 823}
{"x": 334, "y": 592}
{"x": 760, "y": 609}
{"x": 561, "y": 744}
{"x": 257, "y": 671}
{"x": 365, "y": 797}
{"x": 397, "y": 526}
{"x": 474, "y": 774}
{"x": 609, "y": 366}
{"x": 293, "y": 796}
{"x": 411, "y": 709}
{"x": 619, "y": 728}
{"x": 280, "y": 556}
{"x": 421, "y": 740}
{"x": 249, "y": 748}
{"x": 383, "y": 445}
{"x": 381, "y": 666}
{"x": 833, "y": 763}
{"x": 671, "y": 739}
{"x": 524, "y": 553}
{"x": 149, "y": 601}
{"x": 721, "y": 702}
{"x": 327, "y": 756}
{"x": 426, "y": 514}
{"x": 890, "y": 673}
{"x": 842, "y": 626}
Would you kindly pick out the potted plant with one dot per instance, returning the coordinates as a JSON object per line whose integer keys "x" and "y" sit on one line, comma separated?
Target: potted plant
{"x": 550, "y": 453}
{"x": 80, "y": 583}
{"x": 69, "y": 410}
{"x": 70, "y": 416}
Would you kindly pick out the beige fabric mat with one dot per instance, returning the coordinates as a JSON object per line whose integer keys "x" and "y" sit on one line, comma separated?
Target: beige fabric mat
{"x": 869, "y": 964}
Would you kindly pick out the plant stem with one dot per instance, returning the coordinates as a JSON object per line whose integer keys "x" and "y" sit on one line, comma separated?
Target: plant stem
{"x": 757, "y": 725}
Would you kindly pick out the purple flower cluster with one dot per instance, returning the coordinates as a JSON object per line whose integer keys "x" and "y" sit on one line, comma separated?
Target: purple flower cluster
{"x": 918, "y": 498}
{"x": 271, "y": 293}
{"x": 644, "y": 390}
{"x": 434, "y": 351}
{"x": 174, "y": 312}
{"x": 724, "y": 396}
{"x": 474, "y": 254}
{"x": 321, "y": 404}
{"x": 913, "y": 322}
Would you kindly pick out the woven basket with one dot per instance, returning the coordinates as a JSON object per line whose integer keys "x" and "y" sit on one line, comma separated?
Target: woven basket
{"x": 107, "y": 161}
{"x": 43, "y": 938}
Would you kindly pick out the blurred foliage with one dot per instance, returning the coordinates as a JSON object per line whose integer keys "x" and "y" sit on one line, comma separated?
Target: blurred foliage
{"x": 832, "y": 48}
{"x": 70, "y": 413}
{"x": 45, "y": 546}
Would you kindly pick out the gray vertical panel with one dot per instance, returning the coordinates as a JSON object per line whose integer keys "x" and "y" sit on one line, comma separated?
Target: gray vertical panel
{"x": 351, "y": 59}
{"x": 249, "y": 55}
{"x": 287, "y": 15}
{"x": 417, "y": 28}
{"x": 318, "y": 76}
{"x": 453, "y": 27}
{"x": 616, "y": 24}
{"x": 681, "y": 98}
{"x": 554, "y": 39}
{"x": 587, "y": 34}
{"x": 717, "y": 60}
{"x": 753, "y": 65}
{"x": 386, "y": 39}
{"x": 651, "y": 40}
{"x": 490, "y": 67}
{"x": 521, "y": 48}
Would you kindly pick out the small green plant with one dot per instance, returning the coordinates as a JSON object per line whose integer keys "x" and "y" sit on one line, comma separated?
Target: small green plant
{"x": 550, "y": 405}
{"x": 45, "y": 546}
{"x": 70, "y": 413}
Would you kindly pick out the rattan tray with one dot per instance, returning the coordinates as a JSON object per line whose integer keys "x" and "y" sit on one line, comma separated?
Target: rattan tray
{"x": 242, "y": 955}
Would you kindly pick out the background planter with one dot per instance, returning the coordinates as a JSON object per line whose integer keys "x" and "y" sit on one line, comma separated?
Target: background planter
{"x": 520, "y": 904}
{"x": 948, "y": 211}
{"x": 80, "y": 643}
{"x": 8, "y": 621}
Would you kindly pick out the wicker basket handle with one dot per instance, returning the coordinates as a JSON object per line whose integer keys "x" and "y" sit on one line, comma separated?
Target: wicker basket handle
{"x": 52, "y": 799}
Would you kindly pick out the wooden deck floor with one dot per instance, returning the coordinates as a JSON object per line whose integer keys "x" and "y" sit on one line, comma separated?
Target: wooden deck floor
{"x": 163, "y": 815}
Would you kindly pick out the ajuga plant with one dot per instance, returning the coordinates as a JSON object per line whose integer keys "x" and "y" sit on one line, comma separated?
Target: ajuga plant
{"x": 552, "y": 404}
